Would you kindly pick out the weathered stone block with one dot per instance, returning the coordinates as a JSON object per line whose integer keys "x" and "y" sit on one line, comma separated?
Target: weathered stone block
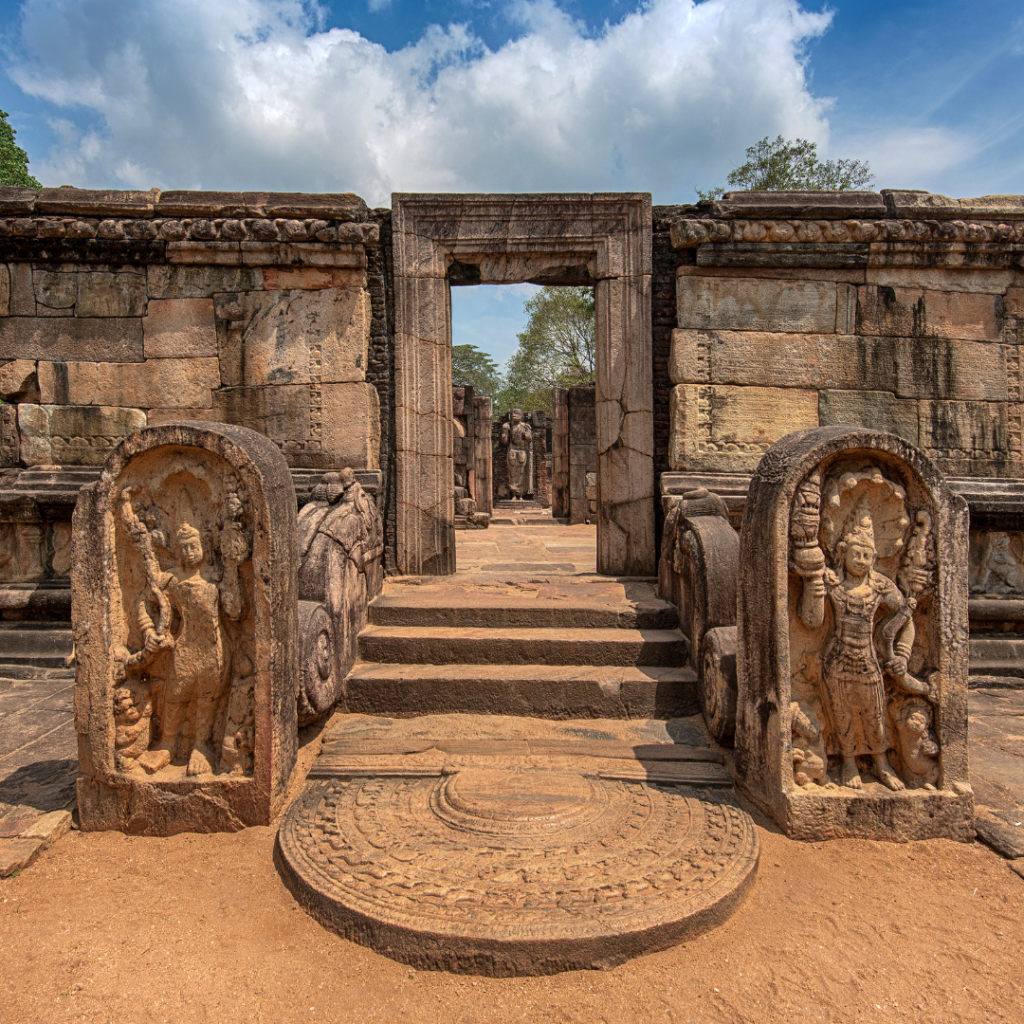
{"x": 22, "y": 299}
{"x": 176, "y": 282}
{"x": 852, "y": 648}
{"x": 964, "y": 430}
{"x": 18, "y": 381}
{"x": 725, "y": 429}
{"x": 300, "y": 337}
{"x": 110, "y": 295}
{"x": 908, "y": 367}
{"x": 55, "y": 290}
{"x": 184, "y": 616}
{"x": 280, "y": 278}
{"x": 920, "y": 313}
{"x": 75, "y": 435}
{"x": 63, "y": 338}
{"x": 10, "y": 439}
{"x": 179, "y": 328}
{"x": 5, "y": 290}
{"x": 335, "y": 425}
{"x": 941, "y": 279}
{"x": 156, "y": 383}
{"x": 755, "y": 305}
{"x": 878, "y": 410}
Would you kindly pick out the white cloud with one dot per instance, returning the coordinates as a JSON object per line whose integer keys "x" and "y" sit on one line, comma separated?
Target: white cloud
{"x": 252, "y": 94}
{"x": 377, "y": 5}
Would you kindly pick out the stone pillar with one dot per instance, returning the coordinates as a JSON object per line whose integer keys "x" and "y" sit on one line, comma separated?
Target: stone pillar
{"x": 482, "y": 454}
{"x": 184, "y": 615}
{"x": 582, "y": 454}
{"x": 560, "y": 453}
{"x": 852, "y": 652}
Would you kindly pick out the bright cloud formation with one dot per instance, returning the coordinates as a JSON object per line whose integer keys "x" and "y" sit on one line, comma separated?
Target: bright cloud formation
{"x": 254, "y": 94}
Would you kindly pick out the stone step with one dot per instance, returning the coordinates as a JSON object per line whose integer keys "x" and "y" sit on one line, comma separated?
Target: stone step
{"x": 35, "y": 644}
{"x": 999, "y": 655}
{"x": 534, "y": 691}
{"x": 447, "y": 645}
{"x": 476, "y": 608}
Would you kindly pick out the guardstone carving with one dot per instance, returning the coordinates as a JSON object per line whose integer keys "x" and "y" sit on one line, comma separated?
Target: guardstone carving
{"x": 341, "y": 543}
{"x": 184, "y": 603}
{"x": 852, "y": 655}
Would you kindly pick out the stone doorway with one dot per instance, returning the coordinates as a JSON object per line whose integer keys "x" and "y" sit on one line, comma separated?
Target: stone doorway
{"x": 602, "y": 239}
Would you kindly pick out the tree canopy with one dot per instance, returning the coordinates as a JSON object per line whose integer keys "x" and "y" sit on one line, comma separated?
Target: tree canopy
{"x": 555, "y": 349}
{"x": 475, "y": 369}
{"x": 13, "y": 159}
{"x": 782, "y": 165}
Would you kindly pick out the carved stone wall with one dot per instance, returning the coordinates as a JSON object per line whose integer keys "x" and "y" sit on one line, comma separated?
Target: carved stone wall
{"x": 898, "y": 311}
{"x": 184, "y": 605}
{"x": 852, "y": 641}
{"x": 127, "y": 308}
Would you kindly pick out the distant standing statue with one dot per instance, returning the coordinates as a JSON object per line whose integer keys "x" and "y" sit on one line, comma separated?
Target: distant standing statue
{"x": 518, "y": 438}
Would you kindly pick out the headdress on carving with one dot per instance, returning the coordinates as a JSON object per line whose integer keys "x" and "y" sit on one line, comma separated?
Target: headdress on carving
{"x": 187, "y": 532}
{"x": 852, "y": 494}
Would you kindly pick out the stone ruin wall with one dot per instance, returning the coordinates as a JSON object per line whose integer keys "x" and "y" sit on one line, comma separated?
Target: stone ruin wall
{"x": 771, "y": 312}
{"x": 121, "y": 309}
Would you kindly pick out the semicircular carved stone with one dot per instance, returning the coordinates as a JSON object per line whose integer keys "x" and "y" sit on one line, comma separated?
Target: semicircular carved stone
{"x": 514, "y": 872}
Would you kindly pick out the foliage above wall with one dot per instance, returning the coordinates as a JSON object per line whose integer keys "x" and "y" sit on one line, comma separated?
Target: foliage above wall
{"x": 782, "y": 165}
{"x": 13, "y": 159}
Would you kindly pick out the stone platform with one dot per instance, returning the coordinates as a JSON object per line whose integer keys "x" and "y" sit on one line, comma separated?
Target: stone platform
{"x": 513, "y": 846}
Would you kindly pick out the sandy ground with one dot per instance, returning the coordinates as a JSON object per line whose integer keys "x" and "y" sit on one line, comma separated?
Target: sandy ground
{"x": 107, "y": 927}
{"x": 200, "y": 928}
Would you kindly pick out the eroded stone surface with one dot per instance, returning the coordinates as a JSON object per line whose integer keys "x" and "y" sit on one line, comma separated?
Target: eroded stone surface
{"x": 184, "y": 615}
{"x": 502, "y": 855}
{"x": 852, "y": 634}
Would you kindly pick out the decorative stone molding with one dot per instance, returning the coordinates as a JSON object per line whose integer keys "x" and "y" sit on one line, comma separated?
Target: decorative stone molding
{"x": 552, "y": 239}
{"x": 830, "y": 219}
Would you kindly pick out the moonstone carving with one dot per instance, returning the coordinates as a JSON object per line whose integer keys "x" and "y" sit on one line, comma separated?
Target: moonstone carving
{"x": 184, "y": 601}
{"x": 852, "y": 628}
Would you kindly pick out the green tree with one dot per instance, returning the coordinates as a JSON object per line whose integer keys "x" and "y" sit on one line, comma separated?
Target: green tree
{"x": 13, "y": 159}
{"x": 556, "y": 349}
{"x": 782, "y": 165}
{"x": 475, "y": 369}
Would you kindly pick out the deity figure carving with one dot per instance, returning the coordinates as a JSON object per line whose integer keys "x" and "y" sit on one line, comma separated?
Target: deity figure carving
{"x": 517, "y": 437}
{"x": 997, "y": 563}
{"x": 917, "y": 748}
{"x": 871, "y": 635}
{"x": 186, "y": 674}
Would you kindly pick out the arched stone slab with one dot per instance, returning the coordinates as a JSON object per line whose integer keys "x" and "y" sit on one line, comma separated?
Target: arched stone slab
{"x": 852, "y": 681}
{"x": 184, "y": 602}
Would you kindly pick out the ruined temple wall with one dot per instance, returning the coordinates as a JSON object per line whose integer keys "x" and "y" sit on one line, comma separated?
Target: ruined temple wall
{"x": 899, "y": 311}
{"x": 127, "y": 308}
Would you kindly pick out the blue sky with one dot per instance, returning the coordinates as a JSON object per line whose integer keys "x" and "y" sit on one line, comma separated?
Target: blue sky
{"x": 509, "y": 95}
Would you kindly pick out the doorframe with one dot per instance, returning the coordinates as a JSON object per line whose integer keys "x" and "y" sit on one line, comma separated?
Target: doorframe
{"x": 600, "y": 238}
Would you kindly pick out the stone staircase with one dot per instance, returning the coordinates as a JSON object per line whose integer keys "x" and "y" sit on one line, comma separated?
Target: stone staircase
{"x": 544, "y": 649}
{"x": 35, "y": 650}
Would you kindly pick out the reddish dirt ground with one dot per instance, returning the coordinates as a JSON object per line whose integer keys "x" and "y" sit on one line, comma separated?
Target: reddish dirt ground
{"x": 106, "y": 927}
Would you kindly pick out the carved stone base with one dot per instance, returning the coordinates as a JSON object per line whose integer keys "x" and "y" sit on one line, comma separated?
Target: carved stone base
{"x": 508, "y": 872}
{"x": 875, "y": 813}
